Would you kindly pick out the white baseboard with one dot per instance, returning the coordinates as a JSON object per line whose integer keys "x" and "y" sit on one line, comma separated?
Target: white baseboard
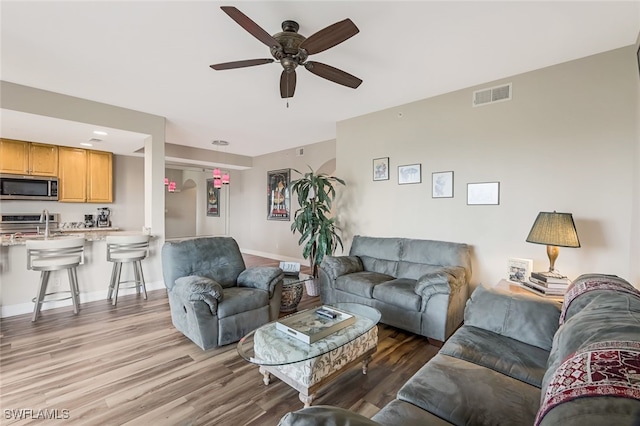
{"x": 25, "y": 308}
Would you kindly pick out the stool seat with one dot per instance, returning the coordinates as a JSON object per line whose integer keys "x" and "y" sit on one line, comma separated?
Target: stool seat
{"x": 126, "y": 249}
{"x": 54, "y": 255}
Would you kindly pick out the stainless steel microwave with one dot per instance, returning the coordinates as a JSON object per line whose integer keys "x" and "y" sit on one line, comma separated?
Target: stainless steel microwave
{"x": 20, "y": 187}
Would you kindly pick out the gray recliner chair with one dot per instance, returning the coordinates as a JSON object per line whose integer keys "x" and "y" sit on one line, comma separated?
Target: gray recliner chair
{"x": 215, "y": 300}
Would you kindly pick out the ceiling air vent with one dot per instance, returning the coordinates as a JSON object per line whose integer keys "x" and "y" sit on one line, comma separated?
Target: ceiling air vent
{"x": 95, "y": 140}
{"x": 492, "y": 95}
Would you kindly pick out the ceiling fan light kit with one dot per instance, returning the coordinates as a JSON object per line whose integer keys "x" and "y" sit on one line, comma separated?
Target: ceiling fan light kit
{"x": 291, "y": 49}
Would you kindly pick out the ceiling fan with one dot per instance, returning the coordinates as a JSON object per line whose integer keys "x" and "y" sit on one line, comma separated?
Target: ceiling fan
{"x": 292, "y": 49}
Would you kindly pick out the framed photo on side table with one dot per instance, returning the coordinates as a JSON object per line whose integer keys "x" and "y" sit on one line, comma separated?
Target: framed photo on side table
{"x": 381, "y": 168}
{"x": 519, "y": 270}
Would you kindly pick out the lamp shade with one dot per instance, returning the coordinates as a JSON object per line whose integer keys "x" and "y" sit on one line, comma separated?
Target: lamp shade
{"x": 554, "y": 229}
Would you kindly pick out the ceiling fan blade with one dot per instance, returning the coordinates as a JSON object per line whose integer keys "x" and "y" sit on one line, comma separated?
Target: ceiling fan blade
{"x": 330, "y": 36}
{"x": 240, "y": 64}
{"x": 251, "y": 27}
{"x": 333, "y": 74}
{"x": 287, "y": 83}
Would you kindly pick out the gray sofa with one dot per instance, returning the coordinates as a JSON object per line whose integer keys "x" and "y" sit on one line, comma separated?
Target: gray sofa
{"x": 214, "y": 299}
{"x": 418, "y": 285}
{"x": 512, "y": 364}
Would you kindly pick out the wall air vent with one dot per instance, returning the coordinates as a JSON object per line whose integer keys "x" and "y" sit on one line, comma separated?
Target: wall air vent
{"x": 299, "y": 152}
{"x": 492, "y": 95}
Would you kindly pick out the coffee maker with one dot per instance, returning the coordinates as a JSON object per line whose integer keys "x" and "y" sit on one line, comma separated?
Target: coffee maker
{"x": 88, "y": 221}
{"x": 102, "y": 220}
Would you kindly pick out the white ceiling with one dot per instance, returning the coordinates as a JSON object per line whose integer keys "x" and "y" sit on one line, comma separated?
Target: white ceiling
{"x": 154, "y": 57}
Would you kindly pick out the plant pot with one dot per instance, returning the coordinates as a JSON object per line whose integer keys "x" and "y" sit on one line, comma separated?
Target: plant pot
{"x": 291, "y": 295}
{"x": 312, "y": 287}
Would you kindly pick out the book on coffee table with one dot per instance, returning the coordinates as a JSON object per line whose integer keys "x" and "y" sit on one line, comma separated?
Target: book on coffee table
{"x": 314, "y": 324}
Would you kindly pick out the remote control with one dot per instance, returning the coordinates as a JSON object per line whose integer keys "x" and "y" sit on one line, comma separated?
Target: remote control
{"x": 326, "y": 313}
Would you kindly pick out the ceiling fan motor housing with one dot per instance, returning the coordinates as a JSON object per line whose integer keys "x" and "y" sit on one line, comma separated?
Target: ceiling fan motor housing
{"x": 290, "y": 55}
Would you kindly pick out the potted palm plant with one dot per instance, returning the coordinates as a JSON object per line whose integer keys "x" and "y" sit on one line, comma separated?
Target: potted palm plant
{"x": 318, "y": 231}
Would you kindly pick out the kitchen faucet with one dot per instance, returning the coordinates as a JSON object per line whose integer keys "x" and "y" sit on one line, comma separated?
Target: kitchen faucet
{"x": 45, "y": 217}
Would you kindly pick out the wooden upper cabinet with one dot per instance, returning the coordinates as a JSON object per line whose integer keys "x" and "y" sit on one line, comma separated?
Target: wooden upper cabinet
{"x": 72, "y": 174}
{"x": 28, "y": 158}
{"x": 43, "y": 159}
{"x": 14, "y": 157}
{"x": 99, "y": 177}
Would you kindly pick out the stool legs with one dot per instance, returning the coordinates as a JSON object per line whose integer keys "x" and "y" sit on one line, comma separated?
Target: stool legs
{"x": 74, "y": 290}
{"x": 114, "y": 284}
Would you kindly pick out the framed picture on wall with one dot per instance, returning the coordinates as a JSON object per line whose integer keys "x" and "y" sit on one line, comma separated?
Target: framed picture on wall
{"x": 213, "y": 199}
{"x": 442, "y": 185}
{"x": 278, "y": 198}
{"x": 410, "y": 173}
{"x": 381, "y": 168}
{"x": 483, "y": 193}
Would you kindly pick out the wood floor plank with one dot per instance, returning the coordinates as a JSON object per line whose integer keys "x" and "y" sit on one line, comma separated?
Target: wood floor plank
{"x": 128, "y": 365}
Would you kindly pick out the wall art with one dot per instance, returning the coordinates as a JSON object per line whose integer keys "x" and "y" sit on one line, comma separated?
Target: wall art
{"x": 483, "y": 193}
{"x": 381, "y": 168}
{"x": 213, "y": 199}
{"x": 442, "y": 185}
{"x": 410, "y": 173}
{"x": 278, "y": 197}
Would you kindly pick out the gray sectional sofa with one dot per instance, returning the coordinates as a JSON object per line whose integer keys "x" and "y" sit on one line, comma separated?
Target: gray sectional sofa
{"x": 513, "y": 364}
{"x": 418, "y": 285}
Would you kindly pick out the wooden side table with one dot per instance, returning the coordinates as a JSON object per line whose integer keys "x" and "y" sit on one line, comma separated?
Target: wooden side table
{"x": 521, "y": 289}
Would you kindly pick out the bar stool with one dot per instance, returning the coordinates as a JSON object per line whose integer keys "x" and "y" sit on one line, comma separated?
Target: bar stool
{"x": 55, "y": 255}
{"x": 126, "y": 249}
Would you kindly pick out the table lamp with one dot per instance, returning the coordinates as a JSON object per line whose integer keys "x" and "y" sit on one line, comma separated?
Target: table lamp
{"x": 555, "y": 230}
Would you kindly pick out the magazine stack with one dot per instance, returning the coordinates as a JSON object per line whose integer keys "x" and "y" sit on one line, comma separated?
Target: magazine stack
{"x": 548, "y": 283}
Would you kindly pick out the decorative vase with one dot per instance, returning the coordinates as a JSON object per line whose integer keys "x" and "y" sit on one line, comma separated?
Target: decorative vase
{"x": 291, "y": 295}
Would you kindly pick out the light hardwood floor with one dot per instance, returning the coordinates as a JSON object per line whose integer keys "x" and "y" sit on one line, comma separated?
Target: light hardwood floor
{"x": 129, "y": 366}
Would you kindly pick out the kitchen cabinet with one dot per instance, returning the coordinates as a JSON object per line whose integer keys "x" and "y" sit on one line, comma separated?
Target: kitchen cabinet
{"x": 72, "y": 175}
{"x": 85, "y": 176}
{"x": 99, "y": 177}
{"x": 28, "y": 158}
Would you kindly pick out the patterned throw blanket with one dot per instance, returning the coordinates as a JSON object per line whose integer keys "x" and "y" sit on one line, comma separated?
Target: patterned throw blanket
{"x": 582, "y": 286}
{"x": 600, "y": 369}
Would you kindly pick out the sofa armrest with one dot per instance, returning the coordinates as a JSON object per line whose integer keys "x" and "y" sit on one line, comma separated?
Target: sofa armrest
{"x": 324, "y": 415}
{"x": 527, "y": 318}
{"x": 336, "y": 266}
{"x": 194, "y": 288}
{"x": 261, "y": 277}
{"x": 447, "y": 280}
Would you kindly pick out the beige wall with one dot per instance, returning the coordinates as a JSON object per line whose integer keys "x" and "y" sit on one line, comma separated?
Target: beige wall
{"x": 634, "y": 254}
{"x": 248, "y": 224}
{"x": 567, "y": 141}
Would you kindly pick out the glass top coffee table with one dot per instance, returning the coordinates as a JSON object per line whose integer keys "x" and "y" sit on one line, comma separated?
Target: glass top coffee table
{"x": 307, "y": 367}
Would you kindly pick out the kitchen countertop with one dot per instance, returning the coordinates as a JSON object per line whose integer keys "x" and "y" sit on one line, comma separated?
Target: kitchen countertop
{"x": 90, "y": 234}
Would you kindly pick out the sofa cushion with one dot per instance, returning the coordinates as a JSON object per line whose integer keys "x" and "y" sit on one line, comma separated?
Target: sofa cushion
{"x": 320, "y": 415}
{"x": 500, "y": 353}
{"x": 403, "y": 413}
{"x": 415, "y": 270}
{"x": 466, "y": 393}
{"x": 432, "y": 252}
{"x": 361, "y": 283}
{"x": 528, "y": 318}
{"x": 398, "y": 292}
{"x": 242, "y": 299}
{"x": 381, "y": 266}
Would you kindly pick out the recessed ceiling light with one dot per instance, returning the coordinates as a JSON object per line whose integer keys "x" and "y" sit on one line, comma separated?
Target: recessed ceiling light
{"x": 86, "y": 144}
{"x": 100, "y": 132}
